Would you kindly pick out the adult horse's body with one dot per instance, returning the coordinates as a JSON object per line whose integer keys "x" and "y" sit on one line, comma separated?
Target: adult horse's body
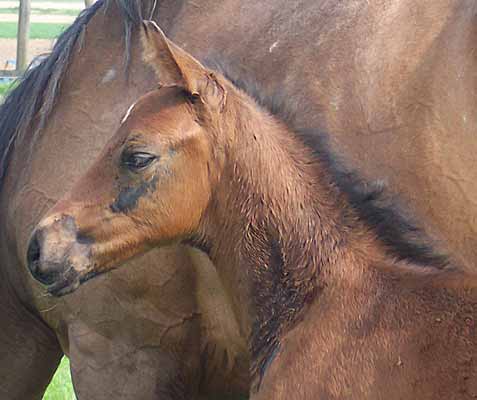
{"x": 393, "y": 81}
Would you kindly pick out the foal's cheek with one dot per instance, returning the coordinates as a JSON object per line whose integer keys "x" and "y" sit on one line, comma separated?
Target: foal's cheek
{"x": 131, "y": 189}
{"x": 175, "y": 208}
{"x": 129, "y": 196}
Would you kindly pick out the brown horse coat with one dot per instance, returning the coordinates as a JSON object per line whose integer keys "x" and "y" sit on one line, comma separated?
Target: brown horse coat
{"x": 387, "y": 75}
{"x": 338, "y": 302}
{"x": 124, "y": 341}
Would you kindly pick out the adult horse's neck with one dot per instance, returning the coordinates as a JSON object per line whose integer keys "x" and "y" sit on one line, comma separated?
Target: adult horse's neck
{"x": 278, "y": 228}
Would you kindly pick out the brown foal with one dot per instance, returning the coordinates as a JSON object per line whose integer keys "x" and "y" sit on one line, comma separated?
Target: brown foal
{"x": 340, "y": 297}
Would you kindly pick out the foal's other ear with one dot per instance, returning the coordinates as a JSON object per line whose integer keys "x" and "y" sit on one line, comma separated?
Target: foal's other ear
{"x": 175, "y": 66}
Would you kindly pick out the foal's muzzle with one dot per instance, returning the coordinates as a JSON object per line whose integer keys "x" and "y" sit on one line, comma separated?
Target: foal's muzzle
{"x": 56, "y": 256}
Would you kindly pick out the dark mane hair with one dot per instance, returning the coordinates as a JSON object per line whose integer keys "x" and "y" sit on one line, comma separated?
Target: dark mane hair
{"x": 281, "y": 297}
{"x": 34, "y": 97}
{"x": 393, "y": 226}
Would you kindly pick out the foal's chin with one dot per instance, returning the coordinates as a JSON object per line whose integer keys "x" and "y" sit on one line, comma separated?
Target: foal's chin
{"x": 70, "y": 280}
{"x": 67, "y": 283}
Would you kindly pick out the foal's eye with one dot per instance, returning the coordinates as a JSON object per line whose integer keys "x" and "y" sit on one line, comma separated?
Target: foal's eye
{"x": 137, "y": 161}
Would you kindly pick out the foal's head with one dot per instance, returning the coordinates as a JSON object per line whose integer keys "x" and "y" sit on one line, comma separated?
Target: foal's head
{"x": 151, "y": 184}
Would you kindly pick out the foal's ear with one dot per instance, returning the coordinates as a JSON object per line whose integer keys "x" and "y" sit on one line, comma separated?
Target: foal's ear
{"x": 175, "y": 66}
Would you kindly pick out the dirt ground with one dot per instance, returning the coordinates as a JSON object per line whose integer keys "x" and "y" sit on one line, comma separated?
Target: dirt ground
{"x": 8, "y": 49}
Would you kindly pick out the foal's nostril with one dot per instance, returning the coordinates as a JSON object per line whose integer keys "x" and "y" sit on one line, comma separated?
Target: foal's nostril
{"x": 33, "y": 254}
{"x": 34, "y": 262}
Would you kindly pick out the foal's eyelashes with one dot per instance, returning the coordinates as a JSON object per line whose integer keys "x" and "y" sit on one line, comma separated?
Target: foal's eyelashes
{"x": 136, "y": 161}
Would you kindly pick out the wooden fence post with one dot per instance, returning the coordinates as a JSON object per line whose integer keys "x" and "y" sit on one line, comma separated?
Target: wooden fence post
{"x": 23, "y": 34}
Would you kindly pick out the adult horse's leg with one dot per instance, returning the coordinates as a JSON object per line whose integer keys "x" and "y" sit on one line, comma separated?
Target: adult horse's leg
{"x": 29, "y": 351}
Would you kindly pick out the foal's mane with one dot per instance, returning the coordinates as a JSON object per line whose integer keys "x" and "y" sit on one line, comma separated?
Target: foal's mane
{"x": 395, "y": 228}
{"x": 282, "y": 298}
{"x": 27, "y": 107}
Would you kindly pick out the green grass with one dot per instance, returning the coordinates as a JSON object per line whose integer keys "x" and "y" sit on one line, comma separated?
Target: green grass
{"x": 5, "y": 87}
{"x": 57, "y": 1}
{"x": 60, "y": 387}
{"x": 9, "y": 10}
{"x": 38, "y": 30}
{"x": 40, "y": 11}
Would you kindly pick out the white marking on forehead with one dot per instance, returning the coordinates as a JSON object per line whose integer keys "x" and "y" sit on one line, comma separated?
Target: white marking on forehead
{"x": 128, "y": 112}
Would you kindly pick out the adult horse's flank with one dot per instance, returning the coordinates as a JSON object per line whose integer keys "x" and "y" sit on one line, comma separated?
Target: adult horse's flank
{"x": 336, "y": 308}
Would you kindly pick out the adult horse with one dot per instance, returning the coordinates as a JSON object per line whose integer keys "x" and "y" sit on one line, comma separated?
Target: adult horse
{"x": 400, "y": 109}
{"x": 144, "y": 336}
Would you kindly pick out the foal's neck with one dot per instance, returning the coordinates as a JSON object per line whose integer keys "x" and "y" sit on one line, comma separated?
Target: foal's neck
{"x": 278, "y": 228}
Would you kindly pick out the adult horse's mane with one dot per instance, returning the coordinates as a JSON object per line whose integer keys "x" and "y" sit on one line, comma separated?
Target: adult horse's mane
{"x": 34, "y": 97}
